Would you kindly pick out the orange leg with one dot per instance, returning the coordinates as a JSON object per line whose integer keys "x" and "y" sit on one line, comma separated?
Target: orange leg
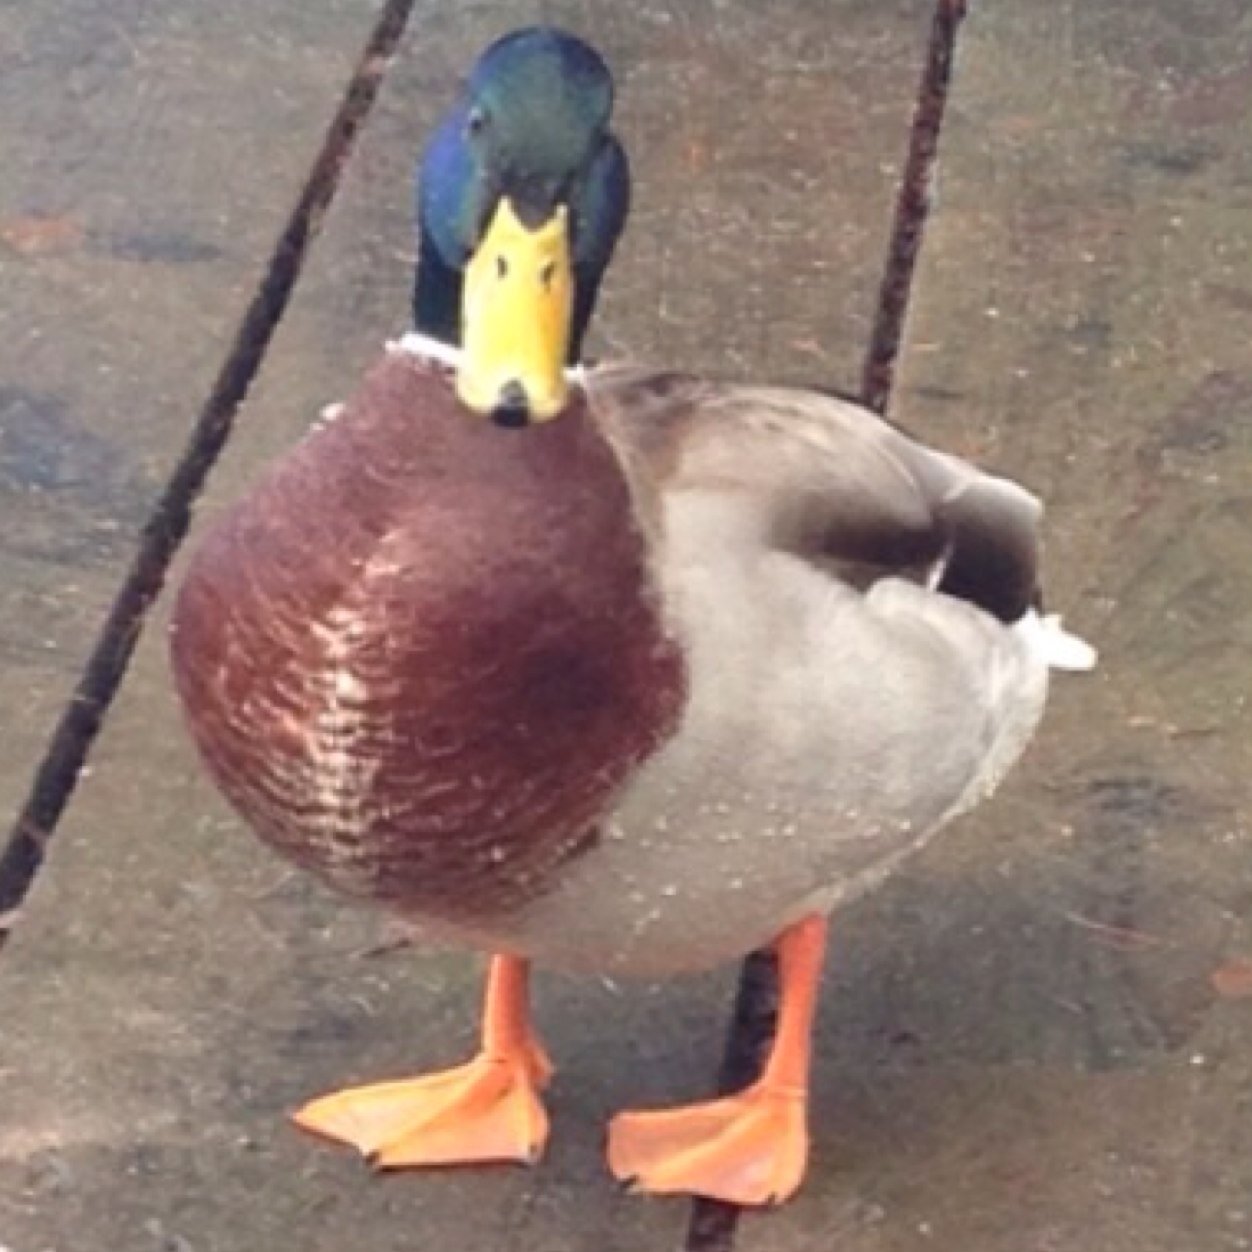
{"x": 749, "y": 1148}
{"x": 486, "y": 1110}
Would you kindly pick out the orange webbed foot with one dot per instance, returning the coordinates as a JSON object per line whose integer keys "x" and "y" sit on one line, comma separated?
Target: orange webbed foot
{"x": 748, "y": 1149}
{"x": 486, "y": 1110}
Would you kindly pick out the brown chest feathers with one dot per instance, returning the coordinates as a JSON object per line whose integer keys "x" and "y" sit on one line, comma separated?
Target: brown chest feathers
{"x": 422, "y": 655}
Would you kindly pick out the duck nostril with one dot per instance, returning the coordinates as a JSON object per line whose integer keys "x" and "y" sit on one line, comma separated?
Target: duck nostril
{"x": 512, "y": 406}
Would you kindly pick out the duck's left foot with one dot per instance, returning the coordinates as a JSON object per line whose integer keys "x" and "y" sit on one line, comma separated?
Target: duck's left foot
{"x": 748, "y": 1149}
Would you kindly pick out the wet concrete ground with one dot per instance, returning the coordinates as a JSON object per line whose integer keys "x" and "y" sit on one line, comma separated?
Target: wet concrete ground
{"x": 139, "y": 201}
{"x": 1035, "y": 1037}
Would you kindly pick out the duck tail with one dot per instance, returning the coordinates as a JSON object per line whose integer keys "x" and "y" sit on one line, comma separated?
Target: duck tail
{"x": 1055, "y": 645}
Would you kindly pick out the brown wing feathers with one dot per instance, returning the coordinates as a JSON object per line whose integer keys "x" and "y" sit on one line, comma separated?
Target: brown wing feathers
{"x": 832, "y": 482}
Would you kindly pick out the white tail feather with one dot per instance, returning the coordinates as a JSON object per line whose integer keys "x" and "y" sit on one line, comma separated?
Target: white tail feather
{"x": 1056, "y": 646}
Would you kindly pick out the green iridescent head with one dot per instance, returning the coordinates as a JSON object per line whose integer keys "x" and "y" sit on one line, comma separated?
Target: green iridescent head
{"x": 530, "y": 130}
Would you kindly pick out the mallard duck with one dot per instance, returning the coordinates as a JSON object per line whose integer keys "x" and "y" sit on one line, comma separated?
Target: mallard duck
{"x": 612, "y": 670}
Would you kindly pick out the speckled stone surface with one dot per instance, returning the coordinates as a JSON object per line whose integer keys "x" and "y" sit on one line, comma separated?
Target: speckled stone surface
{"x": 151, "y": 155}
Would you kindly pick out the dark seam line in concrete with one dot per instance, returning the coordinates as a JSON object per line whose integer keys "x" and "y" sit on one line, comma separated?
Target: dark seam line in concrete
{"x": 57, "y": 774}
{"x": 713, "y": 1223}
{"x": 913, "y": 206}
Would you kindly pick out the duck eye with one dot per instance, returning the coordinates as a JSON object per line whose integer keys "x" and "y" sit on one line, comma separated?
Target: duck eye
{"x": 547, "y": 274}
{"x": 502, "y": 267}
{"x": 476, "y": 123}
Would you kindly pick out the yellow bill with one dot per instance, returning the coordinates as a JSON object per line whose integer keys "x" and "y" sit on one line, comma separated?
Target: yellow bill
{"x": 516, "y": 311}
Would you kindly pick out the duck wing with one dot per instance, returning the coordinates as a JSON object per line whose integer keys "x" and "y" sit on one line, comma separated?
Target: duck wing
{"x": 824, "y": 479}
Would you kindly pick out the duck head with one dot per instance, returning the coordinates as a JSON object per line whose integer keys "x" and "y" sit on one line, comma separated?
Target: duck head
{"x": 522, "y": 193}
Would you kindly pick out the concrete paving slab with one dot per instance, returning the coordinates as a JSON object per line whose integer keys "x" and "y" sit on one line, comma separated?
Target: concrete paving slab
{"x": 172, "y": 990}
{"x": 151, "y": 154}
{"x": 1037, "y": 1034}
